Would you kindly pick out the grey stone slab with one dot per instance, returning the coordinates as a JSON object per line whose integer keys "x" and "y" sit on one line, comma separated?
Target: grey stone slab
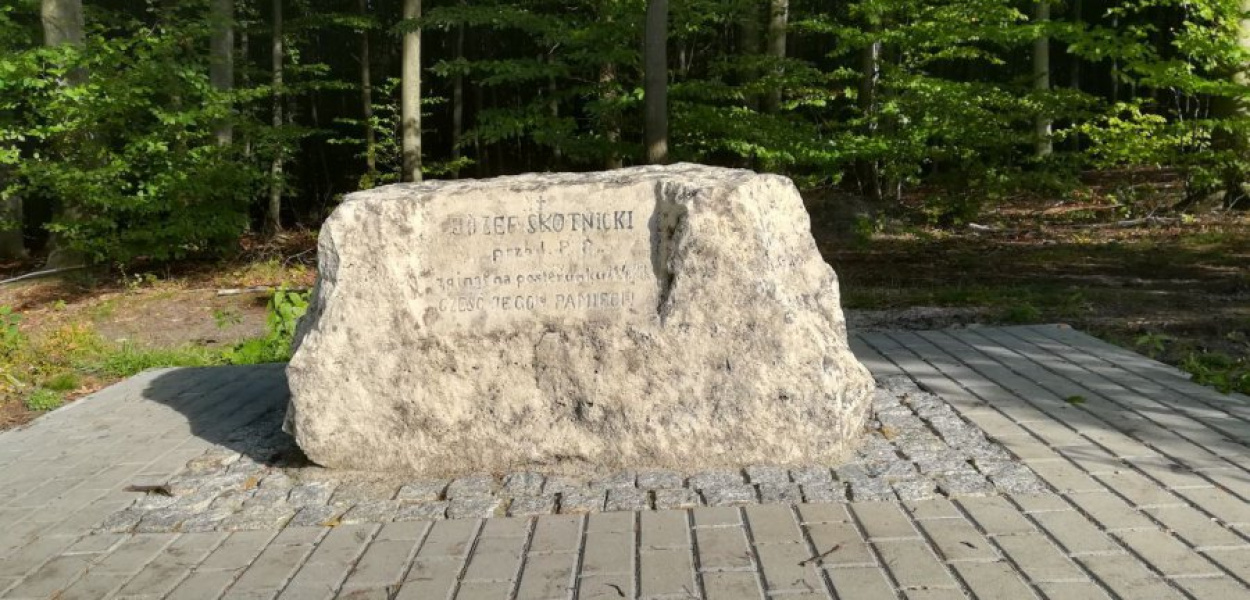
{"x": 423, "y": 491}
{"x": 523, "y": 484}
{"x": 532, "y": 506}
{"x": 731, "y": 495}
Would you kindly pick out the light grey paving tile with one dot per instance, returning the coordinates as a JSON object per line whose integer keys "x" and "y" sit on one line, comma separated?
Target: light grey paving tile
{"x": 861, "y": 583}
{"x": 449, "y": 538}
{"x": 271, "y": 571}
{"x": 1111, "y": 512}
{"x": 608, "y": 586}
{"x": 996, "y": 515}
{"x": 723, "y": 549}
{"x": 993, "y": 580}
{"x": 717, "y": 516}
{"x": 666, "y": 572}
{"x": 840, "y": 544}
{"x": 557, "y": 534}
{"x": 1073, "y": 590}
{"x": 732, "y": 586}
{"x": 332, "y": 559}
{"x": 958, "y": 540}
{"x": 937, "y": 508}
{"x": 608, "y": 552}
{"x": 382, "y": 565}
{"x": 547, "y": 577}
{"x": 237, "y": 551}
{"x": 173, "y": 565}
{"x": 610, "y": 522}
{"x": 789, "y": 568}
{"x": 1076, "y": 533}
{"x": 1166, "y": 554}
{"x": 1219, "y": 503}
{"x": 431, "y": 579}
{"x": 773, "y": 524}
{"x": 54, "y": 576}
{"x": 912, "y": 564}
{"x": 509, "y": 527}
{"x": 884, "y": 521}
{"x": 1127, "y": 577}
{"x": 483, "y": 590}
{"x": 495, "y": 559}
{"x": 203, "y": 584}
{"x": 663, "y": 530}
{"x": 820, "y": 513}
{"x": 1199, "y": 530}
{"x": 1236, "y": 561}
{"x": 1039, "y": 558}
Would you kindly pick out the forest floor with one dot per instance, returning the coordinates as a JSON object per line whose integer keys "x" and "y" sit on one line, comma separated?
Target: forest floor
{"x": 1177, "y": 289}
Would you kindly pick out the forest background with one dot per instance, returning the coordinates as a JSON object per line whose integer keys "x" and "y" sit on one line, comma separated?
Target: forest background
{"x": 1044, "y": 161}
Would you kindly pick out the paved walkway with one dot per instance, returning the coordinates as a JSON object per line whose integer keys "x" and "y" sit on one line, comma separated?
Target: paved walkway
{"x": 1152, "y": 475}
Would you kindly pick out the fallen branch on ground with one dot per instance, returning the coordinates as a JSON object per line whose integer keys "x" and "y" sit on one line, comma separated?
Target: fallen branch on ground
{"x": 257, "y": 289}
{"x": 42, "y": 274}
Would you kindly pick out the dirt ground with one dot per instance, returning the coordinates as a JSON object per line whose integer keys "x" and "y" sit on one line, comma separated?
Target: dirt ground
{"x": 1171, "y": 287}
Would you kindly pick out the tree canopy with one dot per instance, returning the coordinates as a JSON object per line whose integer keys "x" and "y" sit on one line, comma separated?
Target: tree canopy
{"x": 166, "y": 129}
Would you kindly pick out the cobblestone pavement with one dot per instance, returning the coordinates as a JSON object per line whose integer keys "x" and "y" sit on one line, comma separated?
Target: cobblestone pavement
{"x": 916, "y": 448}
{"x": 1145, "y": 474}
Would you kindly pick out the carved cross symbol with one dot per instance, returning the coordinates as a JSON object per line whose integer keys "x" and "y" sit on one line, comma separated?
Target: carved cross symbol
{"x": 542, "y": 203}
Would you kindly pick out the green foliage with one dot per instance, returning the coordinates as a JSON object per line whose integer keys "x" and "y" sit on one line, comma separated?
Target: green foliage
{"x": 11, "y": 337}
{"x": 66, "y": 381}
{"x": 1219, "y": 370}
{"x": 41, "y": 400}
{"x": 128, "y": 359}
{"x": 285, "y": 309}
{"x": 1023, "y": 312}
{"x": 1153, "y": 344}
{"x": 129, "y": 150}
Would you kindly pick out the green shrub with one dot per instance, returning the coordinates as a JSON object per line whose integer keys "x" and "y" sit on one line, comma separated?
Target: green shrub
{"x": 63, "y": 382}
{"x": 285, "y": 309}
{"x": 43, "y": 400}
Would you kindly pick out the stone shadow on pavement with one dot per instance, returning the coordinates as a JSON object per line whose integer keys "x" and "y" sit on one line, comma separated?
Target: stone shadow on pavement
{"x": 238, "y": 408}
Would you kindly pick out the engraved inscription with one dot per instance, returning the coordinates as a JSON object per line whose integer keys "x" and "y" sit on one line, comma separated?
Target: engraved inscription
{"x": 551, "y": 256}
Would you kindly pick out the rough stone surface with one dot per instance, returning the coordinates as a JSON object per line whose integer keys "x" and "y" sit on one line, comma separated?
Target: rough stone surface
{"x": 655, "y": 317}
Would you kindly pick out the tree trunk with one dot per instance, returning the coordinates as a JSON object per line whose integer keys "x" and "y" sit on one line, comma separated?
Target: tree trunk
{"x": 457, "y": 101}
{"x": 1041, "y": 78}
{"x": 12, "y": 244}
{"x": 778, "y": 17}
{"x": 273, "y": 216}
{"x": 750, "y": 47}
{"x": 221, "y": 59}
{"x": 553, "y": 107}
{"x": 410, "y": 92}
{"x": 611, "y": 119}
{"x": 1236, "y": 179}
{"x": 655, "y": 85}
{"x": 63, "y": 24}
{"x": 366, "y": 99}
{"x": 870, "y": 78}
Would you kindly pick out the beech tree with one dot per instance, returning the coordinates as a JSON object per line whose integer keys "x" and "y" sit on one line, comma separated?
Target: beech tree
{"x": 221, "y": 58}
{"x": 410, "y": 93}
{"x": 656, "y": 74}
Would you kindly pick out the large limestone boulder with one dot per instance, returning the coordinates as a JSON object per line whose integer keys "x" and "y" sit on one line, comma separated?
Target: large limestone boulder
{"x": 671, "y": 317}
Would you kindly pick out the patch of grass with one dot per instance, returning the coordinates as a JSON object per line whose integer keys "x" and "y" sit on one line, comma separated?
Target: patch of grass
{"x": 63, "y": 382}
{"x": 1219, "y": 371}
{"x": 42, "y": 400}
{"x": 128, "y": 359}
{"x": 1023, "y": 312}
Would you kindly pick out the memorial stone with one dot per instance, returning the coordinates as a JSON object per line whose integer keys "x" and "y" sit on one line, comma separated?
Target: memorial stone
{"x": 675, "y": 317}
